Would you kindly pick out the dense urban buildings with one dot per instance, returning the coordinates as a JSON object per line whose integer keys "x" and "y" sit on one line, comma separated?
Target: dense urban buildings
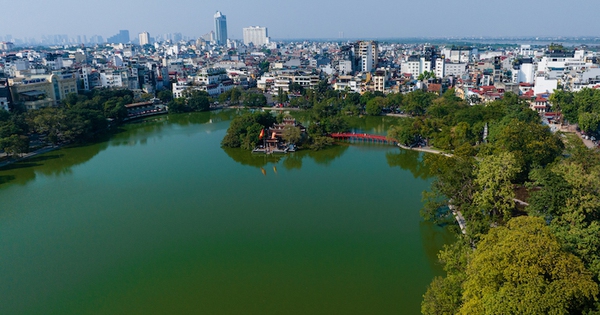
{"x": 121, "y": 37}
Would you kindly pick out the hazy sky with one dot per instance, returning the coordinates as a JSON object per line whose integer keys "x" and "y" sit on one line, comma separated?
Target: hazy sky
{"x": 305, "y": 18}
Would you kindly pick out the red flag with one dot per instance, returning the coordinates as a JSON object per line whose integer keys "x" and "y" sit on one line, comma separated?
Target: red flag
{"x": 262, "y": 133}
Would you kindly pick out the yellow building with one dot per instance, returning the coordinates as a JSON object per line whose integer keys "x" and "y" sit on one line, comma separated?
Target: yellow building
{"x": 38, "y": 91}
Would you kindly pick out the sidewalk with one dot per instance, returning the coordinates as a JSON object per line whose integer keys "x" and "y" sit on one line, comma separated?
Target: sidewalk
{"x": 28, "y": 155}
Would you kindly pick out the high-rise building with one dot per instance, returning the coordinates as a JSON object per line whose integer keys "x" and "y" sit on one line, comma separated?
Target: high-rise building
{"x": 220, "y": 29}
{"x": 368, "y": 53}
{"x": 144, "y": 38}
{"x": 256, "y": 35}
{"x": 122, "y": 37}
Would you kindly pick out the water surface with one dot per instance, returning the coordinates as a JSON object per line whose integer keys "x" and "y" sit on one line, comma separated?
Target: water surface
{"x": 160, "y": 219}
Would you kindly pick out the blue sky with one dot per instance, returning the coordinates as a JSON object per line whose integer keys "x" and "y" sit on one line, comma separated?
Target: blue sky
{"x": 304, "y": 19}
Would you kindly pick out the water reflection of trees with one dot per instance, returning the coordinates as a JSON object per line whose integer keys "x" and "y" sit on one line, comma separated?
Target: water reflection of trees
{"x": 409, "y": 160}
{"x": 138, "y": 132}
{"x": 55, "y": 163}
{"x": 433, "y": 239}
{"x": 289, "y": 161}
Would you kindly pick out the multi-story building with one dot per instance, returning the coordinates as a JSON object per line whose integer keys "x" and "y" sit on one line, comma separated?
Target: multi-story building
{"x": 379, "y": 80}
{"x": 220, "y": 29}
{"x": 368, "y": 53}
{"x": 6, "y": 45}
{"x": 144, "y": 38}
{"x": 122, "y": 37}
{"x": 256, "y": 35}
{"x": 455, "y": 69}
{"x": 37, "y": 91}
{"x": 4, "y": 94}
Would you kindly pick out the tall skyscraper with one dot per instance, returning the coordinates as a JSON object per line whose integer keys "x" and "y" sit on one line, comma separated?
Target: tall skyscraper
{"x": 256, "y": 35}
{"x": 220, "y": 29}
{"x": 144, "y": 38}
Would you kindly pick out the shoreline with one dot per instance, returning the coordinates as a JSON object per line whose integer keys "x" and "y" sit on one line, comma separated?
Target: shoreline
{"x": 425, "y": 149}
{"x": 26, "y": 156}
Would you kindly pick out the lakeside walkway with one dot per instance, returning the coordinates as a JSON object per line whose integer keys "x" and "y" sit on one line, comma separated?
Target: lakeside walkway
{"x": 29, "y": 155}
{"x": 459, "y": 218}
{"x": 425, "y": 149}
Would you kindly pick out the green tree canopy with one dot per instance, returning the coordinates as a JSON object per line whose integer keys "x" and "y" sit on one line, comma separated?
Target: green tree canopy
{"x": 522, "y": 269}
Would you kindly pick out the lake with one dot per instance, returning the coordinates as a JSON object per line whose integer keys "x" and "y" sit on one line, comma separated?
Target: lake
{"x": 159, "y": 219}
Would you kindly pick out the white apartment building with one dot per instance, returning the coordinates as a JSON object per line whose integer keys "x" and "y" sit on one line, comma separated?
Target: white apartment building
{"x": 345, "y": 66}
{"x": 440, "y": 69}
{"x": 411, "y": 65}
{"x": 144, "y": 38}
{"x": 455, "y": 69}
{"x": 256, "y": 35}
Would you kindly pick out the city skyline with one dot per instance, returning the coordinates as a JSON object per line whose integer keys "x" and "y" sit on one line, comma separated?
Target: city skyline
{"x": 391, "y": 19}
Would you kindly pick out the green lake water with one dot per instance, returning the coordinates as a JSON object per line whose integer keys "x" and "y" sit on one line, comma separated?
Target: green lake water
{"x": 159, "y": 219}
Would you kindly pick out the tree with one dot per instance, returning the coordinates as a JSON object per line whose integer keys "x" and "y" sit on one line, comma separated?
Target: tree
{"x": 235, "y": 95}
{"x": 417, "y": 102}
{"x": 531, "y": 143}
{"x": 375, "y": 106}
{"x": 495, "y": 194}
{"x": 198, "y": 103}
{"x": 15, "y": 144}
{"x": 444, "y": 294}
{"x": 405, "y": 132}
{"x": 295, "y": 87}
{"x": 589, "y": 122}
{"x": 244, "y": 130}
{"x": 522, "y": 269}
{"x": 264, "y": 66}
{"x": 320, "y": 142}
{"x": 255, "y": 100}
{"x": 292, "y": 134}
{"x": 177, "y": 105}
{"x": 426, "y": 75}
{"x": 165, "y": 96}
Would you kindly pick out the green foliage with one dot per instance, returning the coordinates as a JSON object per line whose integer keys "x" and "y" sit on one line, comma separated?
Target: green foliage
{"x": 531, "y": 143}
{"x": 177, "y": 105}
{"x": 320, "y": 142}
{"x": 454, "y": 178}
{"x": 589, "y": 122}
{"x": 296, "y": 88}
{"x": 165, "y": 96}
{"x": 244, "y": 130}
{"x": 264, "y": 66}
{"x": 14, "y": 144}
{"x": 522, "y": 269}
{"x": 375, "y": 106}
{"x": 426, "y": 75}
{"x": 406, "y": 133}
{"x": 292, "y": 134}
{"x": 198, "y": 102}
{"x": 444, "y": 294}
{"x": 417, "y": 102}
{"x": 574, "y": 105}
{"x": 494, "y": 189}
{"x": 255, "y": 100}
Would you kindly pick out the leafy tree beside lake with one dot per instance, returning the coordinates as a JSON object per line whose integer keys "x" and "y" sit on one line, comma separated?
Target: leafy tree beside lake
{"x": 244, "y": 130}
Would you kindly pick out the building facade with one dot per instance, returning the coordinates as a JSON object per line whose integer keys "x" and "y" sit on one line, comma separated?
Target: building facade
{"x": 220, "y": 29}
{"x": 144, "y": 38}
{"x": 256, "y": 35}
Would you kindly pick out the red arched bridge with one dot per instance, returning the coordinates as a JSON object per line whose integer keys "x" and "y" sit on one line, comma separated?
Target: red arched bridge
{"x": 365, "y": 137}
